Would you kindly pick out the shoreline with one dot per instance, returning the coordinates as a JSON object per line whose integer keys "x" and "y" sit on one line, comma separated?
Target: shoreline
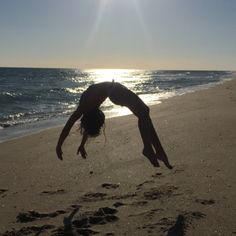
{"x": 198, "y": 132}
{"x": 24, "y": 130}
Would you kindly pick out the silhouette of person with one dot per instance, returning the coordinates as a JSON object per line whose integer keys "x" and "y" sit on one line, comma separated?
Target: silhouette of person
{"x": 93, "y": 119}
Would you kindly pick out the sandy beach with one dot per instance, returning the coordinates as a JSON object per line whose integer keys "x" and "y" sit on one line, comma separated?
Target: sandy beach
{"x": 115, "y": 191}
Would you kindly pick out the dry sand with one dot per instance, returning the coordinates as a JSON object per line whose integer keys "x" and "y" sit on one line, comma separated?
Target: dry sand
{"x": 115, "y": 190}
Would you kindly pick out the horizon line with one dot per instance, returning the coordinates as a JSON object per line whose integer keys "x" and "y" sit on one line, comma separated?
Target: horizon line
{"x": 102, "y": 68}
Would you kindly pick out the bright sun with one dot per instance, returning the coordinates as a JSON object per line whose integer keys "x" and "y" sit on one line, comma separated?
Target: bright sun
{"x": 101, "y": 75}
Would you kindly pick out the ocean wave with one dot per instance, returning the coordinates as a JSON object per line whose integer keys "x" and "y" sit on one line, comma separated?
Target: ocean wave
{"x": 9, "y": 95}
{"x": 27, "y": 117}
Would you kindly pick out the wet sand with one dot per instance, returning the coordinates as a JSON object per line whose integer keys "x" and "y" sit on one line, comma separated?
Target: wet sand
{"x": 115, "y": 191}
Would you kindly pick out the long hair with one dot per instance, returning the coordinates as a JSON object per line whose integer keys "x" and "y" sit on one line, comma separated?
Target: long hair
{"x": 92, "y": 122}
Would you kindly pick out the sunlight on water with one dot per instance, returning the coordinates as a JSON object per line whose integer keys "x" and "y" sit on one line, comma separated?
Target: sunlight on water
{"x": 118, "y": 75}
{"x": 117, "y": 111}
{"x": 126, "y": 77}
{"x": 70, "y": 90}
{"x": 139, "y": 81}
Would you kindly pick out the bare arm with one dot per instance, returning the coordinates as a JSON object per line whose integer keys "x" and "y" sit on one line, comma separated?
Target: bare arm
{"x": 81, "y": 148}
{"x": 66, "y": 130}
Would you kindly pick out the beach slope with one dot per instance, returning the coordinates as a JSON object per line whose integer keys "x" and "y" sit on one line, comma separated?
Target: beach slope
{"x": 115, "y": 191}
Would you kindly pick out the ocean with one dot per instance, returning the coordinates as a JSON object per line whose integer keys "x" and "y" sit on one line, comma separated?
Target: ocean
{"x": 32, "y": 99}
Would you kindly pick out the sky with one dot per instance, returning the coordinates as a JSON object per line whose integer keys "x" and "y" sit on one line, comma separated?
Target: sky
{"x": 131, "y": 34}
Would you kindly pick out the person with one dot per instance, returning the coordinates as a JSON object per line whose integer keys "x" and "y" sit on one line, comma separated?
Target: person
{"x": 92, "y": 119}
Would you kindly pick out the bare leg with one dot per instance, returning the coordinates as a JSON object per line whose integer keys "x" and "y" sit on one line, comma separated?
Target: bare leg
{"x": 124, "y": 97}
{"x": 144, "y": 129}
{"x": 161, "y": 155}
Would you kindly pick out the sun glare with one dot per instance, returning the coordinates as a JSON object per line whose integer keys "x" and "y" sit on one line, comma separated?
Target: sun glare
{"x": 100, "y": 11}
{"x": 124, "y": 76}
{"x": 102, "y": 7}
{"x": 101, "y": 75}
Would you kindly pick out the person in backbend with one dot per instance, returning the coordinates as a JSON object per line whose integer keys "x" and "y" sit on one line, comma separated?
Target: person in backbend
{"x": 93, "y": 119}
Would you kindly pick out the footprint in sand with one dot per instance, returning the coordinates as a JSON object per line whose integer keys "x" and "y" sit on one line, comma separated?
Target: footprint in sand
{"x": 160, "y": 192}
{"x": 3, "y": 192}
{"x": 148, "y": 214}
{"x": 72, "y": 231}
{"x": 177, "y": 171}
{"x": 59, "y": 191}
{"x": 139, "y": 203}
{"x": 110, "y": 186}
{"x": 36, "y": 230}
{"x": 80, "y": 226}
{"x": 205, "y": 202}
{"x": 164, "y": 223}
{"x": 90, "y": 197}
{"x": 135, "y": 204}
{"x": 157, "y": 175}
{"x": 139, "y": 186}
{"x": 118, "y": 204}
{"x": 102, "y": 216}
{"x": 75, "y": 206}
{"x": 34, "y": 215}
{"x": 125, "y": 196}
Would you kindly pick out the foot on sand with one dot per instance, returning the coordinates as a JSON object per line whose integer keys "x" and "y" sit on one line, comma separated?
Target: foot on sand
{"x": 151, "y": 157}
{"x": 165, "y": 160}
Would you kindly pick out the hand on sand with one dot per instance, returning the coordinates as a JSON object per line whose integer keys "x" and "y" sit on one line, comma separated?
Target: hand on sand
{"x": 82, "y": 151}
{"x": 59, "y": 153}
